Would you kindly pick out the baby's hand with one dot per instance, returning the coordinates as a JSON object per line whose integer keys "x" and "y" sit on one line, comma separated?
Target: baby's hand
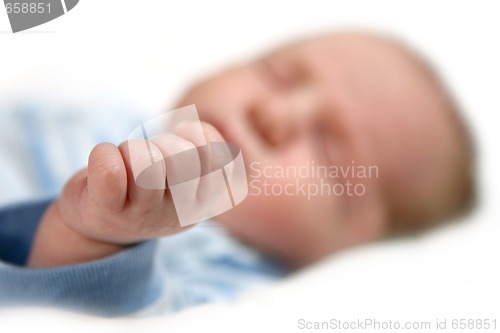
{"x": 103, "y": 209}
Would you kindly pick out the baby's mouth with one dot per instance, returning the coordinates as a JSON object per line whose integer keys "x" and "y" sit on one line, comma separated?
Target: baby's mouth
{"x": 223, "y": 131}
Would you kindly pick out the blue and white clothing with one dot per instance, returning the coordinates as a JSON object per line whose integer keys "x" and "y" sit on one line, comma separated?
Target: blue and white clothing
{"x": 40, "y": 147}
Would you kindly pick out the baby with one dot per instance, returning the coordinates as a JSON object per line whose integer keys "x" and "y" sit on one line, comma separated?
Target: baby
{"x": 338, "y": 100}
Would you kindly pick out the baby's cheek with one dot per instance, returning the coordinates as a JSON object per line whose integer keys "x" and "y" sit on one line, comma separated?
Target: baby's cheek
{"x": 273, "y": 198}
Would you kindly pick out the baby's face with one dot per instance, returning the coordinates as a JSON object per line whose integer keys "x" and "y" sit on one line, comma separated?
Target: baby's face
{"x": 339, "y": 100}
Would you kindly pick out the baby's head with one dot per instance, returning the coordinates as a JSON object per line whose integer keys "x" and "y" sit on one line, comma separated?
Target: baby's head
{"x": 308, "y": 115}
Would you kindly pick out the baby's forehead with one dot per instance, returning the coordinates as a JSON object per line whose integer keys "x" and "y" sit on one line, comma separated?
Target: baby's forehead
{"x": 369, "y": 62}
{"x": 353, "y": 46}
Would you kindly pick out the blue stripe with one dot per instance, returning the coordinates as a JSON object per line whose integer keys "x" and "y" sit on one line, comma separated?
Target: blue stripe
{"x": 36, "y": 143}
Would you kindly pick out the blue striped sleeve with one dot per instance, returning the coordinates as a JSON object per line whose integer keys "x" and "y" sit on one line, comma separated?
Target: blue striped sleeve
{"x": 125, "y": 283}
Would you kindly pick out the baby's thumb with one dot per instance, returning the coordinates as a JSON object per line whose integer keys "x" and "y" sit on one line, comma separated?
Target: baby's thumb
{"x": 107, "y": 177}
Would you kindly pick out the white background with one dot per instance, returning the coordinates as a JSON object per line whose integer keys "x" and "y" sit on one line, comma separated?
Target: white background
{"x": 148, "y": 52}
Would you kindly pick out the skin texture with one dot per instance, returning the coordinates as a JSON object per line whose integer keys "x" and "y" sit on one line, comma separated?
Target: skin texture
{"x": 332, "y": 100}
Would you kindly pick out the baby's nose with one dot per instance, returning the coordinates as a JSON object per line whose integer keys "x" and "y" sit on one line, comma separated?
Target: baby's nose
{"x": 271, "y": 119}
{"x": 278, "y": 118}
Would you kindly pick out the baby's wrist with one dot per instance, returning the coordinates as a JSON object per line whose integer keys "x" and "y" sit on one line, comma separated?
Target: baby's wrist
{"x": 57, "y": 244}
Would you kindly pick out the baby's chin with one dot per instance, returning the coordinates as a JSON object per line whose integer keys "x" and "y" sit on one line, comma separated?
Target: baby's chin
{"x": 269, "y": 240}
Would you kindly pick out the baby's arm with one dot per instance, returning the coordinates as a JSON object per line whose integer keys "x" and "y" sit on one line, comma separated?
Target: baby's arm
{"x": 102, "y": 210}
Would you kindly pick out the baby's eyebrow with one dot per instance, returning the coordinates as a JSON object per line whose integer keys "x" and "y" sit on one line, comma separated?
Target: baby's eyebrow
{"x": 270, "y": 74}
{"x": 281, "y": 72}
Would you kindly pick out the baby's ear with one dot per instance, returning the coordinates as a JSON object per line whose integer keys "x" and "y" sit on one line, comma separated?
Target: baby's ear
{"x": 367, "y": 216}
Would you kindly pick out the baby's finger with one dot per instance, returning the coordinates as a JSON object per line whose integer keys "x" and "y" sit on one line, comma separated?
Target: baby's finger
{"x": 214, "y": 154}
{"x": 145, "y": 173}
{"x": 183, "y": 172}
{"x": 107, "y": 177}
